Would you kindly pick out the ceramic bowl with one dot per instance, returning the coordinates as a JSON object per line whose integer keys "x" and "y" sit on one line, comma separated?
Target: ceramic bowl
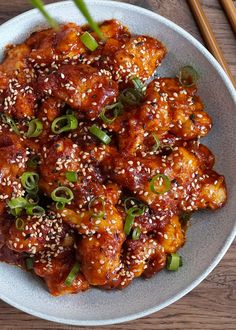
{"x": 210, "y": 234}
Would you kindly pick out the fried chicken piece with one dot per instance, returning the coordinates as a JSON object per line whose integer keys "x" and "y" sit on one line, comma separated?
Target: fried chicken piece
{"x": 15, "y": 59}
{"x": 14, "y": 156}
{"x": 84, "y": 88}
{"x": 189, "y": 120}
{"x": 213, "y": 193}
{"x": 171, "y": 237}
{"x": 99, "y": 249}
{"x": 37, "y": 233}
{"x": 139, "y": 57}
{"x": 142, "y": 257}
{"x": 154, "y": 113}
{"x": 50, "y": 47}
{"x": 55, "y": 273}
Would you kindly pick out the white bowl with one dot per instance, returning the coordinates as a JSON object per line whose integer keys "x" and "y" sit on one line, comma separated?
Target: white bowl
{"x": 211, "y": 233}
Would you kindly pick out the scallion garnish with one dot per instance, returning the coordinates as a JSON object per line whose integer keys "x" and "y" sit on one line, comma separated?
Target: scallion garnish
{"x": 116, "y": 108}
{"x": 32, "y": 199}
{"x": 136, "y": 211}
{"x": 20, "y": 224}
{"x": 35, "y": 128}
{"x": 188, "y": 76}
{"x": 72, "y": 274}
{"x": 131, "y": 202}
{"x": 71, "y": 176}
{"x": 40, "y": 5}
{"x": 29, "y": 263}
{"x": 60, "y": 205}
{"x": 129, "y": 221}
{"x": 130, "y": 96}
{"x": 35, "y": 210}
{"x": 17, "y": 203}
{"x": 101, "y": 135}
{"x": 138, "y": 85}
{"x": 89, "y": 41}
{"x": 136, "y": 233}
{"x": 62, "y": 195}
{"x": 33, "y": 161}
{"x": 94, "y": 203}
{"x": 174, "y": 261}
{"x": 160, "y": 184}
{"x": 157, "y": 142}
{"x": 64, "y": 124}
{"x": 29, "y": 181}
{"x": 9, "y": 121}
{"x": 84, "y": 10}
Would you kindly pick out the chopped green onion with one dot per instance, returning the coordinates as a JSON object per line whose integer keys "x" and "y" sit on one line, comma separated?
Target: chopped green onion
{"x": 92, "y": 205}
{"x": 33, "y": 161}
{"x": 136, "y": 211}
{"x": 17, "y": 211}
{"x": 136, "y": 233}
{"x": 71, "y": 176}
{"x": 32, "y": 199}
{"x": 35, "y": 210}
{"x": 62, "y": 194}
{"x": 157, "y": 142}
{"x": 60, "y": 205}
{"x": 117, "y": 110}
{"x": 9, "y": 121}
{"x": 17, "y": 203}
{"x": 20, "y": 224}
{"x": 64, "y": 124}
{"x": 84, "y": 10}
{"x": 130, "y": 96}
{"x": 72, "y": 274}
{"x": 89, "y": 41}
{"x": 29, "y": 181}
{"x": 40, "y": 5}
{"x": 133, "y": 202}
{"x": 174, "y": 261}
{"x": 129, "y": 221}
{"x": 101, "y": 135}
{"x": 138, "y": 85}
{"x": 35, "y": 128}
{"x": 163, "y": 184}
{"x": 188, "y": 76}
{"x": 29, "y": 263}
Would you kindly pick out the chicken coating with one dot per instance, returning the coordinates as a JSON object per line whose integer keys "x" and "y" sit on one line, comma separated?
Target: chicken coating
{"x": 49, "y": 46}
{"x": 189, "y": 120}
{"x": 172, "y": 236}
{"x": 14, "y": 156}
{"x": 37, "y": 233}
{"x": 55, "y": 273}
{"x": 99, "y": 249}
{"x": 82, "y": 87}
{"x": 139, "y": 57}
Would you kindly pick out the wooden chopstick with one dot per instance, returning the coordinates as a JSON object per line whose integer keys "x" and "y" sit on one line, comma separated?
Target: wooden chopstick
{"x": 209, "y": 37}
{"x": 230, "y": 10}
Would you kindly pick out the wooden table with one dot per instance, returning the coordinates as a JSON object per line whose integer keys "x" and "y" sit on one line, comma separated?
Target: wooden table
{"x": 212, "y": 305}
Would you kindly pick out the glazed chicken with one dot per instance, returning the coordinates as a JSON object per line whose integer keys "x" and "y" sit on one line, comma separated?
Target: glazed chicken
{"x": 101, "y": 165}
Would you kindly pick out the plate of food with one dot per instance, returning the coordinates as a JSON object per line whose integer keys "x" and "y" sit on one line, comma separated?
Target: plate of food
{"x": 117, "y": 167}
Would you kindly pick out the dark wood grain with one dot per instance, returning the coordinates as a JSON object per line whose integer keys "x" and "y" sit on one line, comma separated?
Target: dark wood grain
{"x": 212, "y": 305}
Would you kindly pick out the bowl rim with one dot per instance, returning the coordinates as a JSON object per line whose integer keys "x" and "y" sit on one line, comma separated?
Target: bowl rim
{"x": 229, "y": 239}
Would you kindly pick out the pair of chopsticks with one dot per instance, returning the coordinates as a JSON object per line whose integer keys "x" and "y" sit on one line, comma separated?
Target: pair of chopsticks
{"x": 208, "y": 34}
